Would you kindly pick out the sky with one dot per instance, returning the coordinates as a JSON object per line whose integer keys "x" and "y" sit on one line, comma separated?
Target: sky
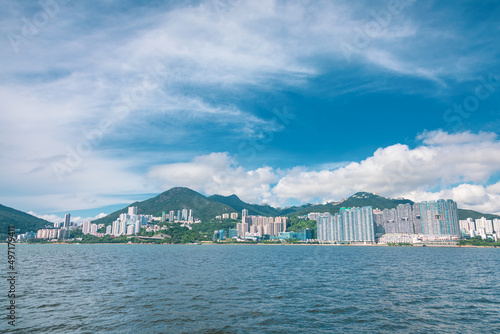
{"x": 103, "y": 103}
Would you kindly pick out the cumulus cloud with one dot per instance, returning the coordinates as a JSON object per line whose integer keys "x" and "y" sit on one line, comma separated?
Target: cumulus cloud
{"x": 442, "y": 161}
{"x": 217, "y": 173}
{"x": 459, "y": 166}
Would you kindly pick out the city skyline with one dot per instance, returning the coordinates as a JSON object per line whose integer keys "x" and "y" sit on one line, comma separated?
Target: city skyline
{"x": 106, "y": 103}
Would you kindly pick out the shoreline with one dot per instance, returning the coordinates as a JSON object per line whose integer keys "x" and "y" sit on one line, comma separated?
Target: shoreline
{"x": 261, "y": 244}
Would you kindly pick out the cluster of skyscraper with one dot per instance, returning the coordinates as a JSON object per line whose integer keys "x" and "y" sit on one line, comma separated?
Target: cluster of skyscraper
{"x": 436, "y": 218}
{"x": 427, "y": 218}
{"x": 182, "y": 216}
{"x": 59, "y": 232}
{"x": 258, "y": 226}
{"x": 483, "y": 227}
{"x": 128, "y": 223}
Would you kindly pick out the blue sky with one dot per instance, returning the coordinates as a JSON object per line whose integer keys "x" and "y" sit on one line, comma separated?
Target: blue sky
{"x": 107, "y": 102}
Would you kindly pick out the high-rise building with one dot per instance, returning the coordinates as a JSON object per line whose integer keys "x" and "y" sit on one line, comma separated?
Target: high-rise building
{"x": 487, "y": 224}
{"x": 496, "y": 225}
{"x": 108, "y": 229}
{"x": 178, "y": 215}
{"x": 244, "y": 213}
{"x": 190, "y": 216}
{"x": 116, "y": 228}
{"x": 137, "y": 227}
{"x": 234, "y": 215}
{"x": 163, "y": 214}
{"x": 132, "y": 210}
{"x": 86, "y": 227}
{"x": 184, "y": 214}
{"x": 67, "y": 219}
{"x": 436, "y": 217}
{"x": 349, "y": 225}
{"x": 171, "y": 216}
{"x": 130, "y": 229}
{"x": 123, "y": 227}
{"x": 233, "y": 233}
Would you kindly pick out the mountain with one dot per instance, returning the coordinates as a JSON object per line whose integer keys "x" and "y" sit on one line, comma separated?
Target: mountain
{"x": 359, "y": 199}
{"x": 23, "y": 221}
{"x": 174, "y": 199}
{"x": 464, "y": 214}
{"x": 206, "y": 208}
{"x": 238, "y": 205}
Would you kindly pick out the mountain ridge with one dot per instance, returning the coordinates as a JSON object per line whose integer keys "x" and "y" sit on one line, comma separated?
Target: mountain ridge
{"x": 207, "y": 207}
{"x": 21, "y": 220}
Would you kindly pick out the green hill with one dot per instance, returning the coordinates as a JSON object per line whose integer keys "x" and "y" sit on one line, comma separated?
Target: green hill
{"x": 174, "y": 199}
{"x": 359, "y": 199}
{"x": 23, "y": 221}
{"x": 206, "y": 208}
{"x": 464, "y": 214}
{"x": 238, "y": 205}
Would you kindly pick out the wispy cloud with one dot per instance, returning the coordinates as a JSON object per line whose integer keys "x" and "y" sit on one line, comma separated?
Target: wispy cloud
{"x": 214, "y": 62}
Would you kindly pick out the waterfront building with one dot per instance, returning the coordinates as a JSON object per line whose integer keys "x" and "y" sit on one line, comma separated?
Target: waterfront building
{"x": 436, "y": 217}
{"x": 67, "y": 219}
{"x": 62, "y": 234}
{"x": 259, "y": 226}
{"x": 53, "y": 234}
{"x": 26, "y": 236}
{"x": 130, "y": 229}
{"x": 123, "y": 227}
{"x": 108, "y": 229}
{"x": 233, "y": 233}
{"x": 487, "y": 224}
{"x": 306, "y": 234}
{"x": 349, "y": 225}
{"x": 86, "y": 227}
{"x": 116, "y": 228}
{"x": 397, "y": 220}
{"x": 137, "y": 229}
{"x": 93, "y": 228}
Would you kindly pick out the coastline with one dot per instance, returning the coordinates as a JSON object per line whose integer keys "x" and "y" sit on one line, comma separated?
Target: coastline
{"x": 260, "y": 244}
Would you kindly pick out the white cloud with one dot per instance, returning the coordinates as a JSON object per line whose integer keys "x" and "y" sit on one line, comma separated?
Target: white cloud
{"x": 216, "y": 173}
{"x": 56, "y": 219}
{"x": 480, "y": 198}
{"x": 64, "y": 82}
{"x": 459, "y": 164}
{"x": 465, "y": 159}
